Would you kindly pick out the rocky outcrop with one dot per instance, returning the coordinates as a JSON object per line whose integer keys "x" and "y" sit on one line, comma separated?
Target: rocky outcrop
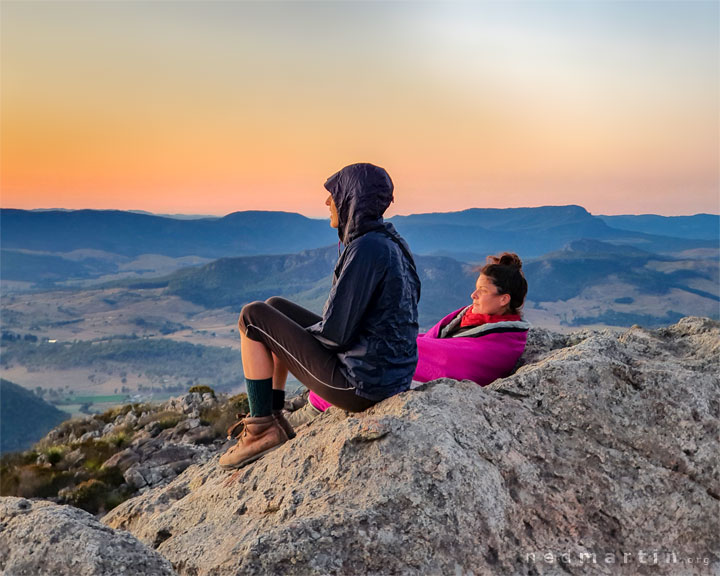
{"x": 41, "y": 538}
{"x": 161, "y": 442}
{"x": 157, "y": 455}
{"x": 95, "y": 462}
{"x": 600, "y": 456}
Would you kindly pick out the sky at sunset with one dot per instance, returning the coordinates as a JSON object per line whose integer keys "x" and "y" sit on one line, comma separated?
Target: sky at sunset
{"x": 214, "y": 107}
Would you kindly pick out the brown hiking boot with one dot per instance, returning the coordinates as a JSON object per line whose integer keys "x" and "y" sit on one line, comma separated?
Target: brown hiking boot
{"x": 259, "y": 436}
{"x": 284, "y": 424}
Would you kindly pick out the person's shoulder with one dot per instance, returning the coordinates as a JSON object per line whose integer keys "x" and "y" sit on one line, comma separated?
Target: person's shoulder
{"x": 373, "y": 247}
{"x": 374, "y": 240}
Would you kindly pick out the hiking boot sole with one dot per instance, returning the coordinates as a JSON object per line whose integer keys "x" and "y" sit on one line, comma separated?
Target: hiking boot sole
{"x": 249, "y": 460}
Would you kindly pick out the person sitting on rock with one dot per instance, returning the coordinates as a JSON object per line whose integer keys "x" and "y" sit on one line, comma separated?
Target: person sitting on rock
{"x": 480, "y": 342}
{"x": 362, "y": 349}
{"x": 483, "y": 341}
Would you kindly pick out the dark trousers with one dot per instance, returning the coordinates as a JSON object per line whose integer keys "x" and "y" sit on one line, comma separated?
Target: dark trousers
{"x": 280, "y": 325}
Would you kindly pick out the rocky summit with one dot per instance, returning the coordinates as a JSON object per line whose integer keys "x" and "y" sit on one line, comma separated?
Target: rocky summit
{"x": 599, "y": 455}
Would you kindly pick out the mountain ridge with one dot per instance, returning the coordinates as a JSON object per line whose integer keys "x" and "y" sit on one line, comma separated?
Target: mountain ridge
{"x": 531, "y": 231}
{"x": 701, "y": 225}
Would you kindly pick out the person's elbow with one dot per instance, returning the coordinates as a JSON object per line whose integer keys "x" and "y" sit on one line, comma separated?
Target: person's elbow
{"x": 323, "y": 335}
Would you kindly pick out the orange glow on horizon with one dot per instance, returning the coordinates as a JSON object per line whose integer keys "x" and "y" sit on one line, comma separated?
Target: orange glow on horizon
{"x": 218, "y": 107}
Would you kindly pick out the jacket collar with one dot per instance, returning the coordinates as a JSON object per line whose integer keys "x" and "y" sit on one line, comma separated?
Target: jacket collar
{"x": 453, "y": 330}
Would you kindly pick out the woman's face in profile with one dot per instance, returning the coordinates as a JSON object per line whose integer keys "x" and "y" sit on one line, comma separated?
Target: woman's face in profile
{"x": 334, "y": 220}
{"x": 486, "y": 299}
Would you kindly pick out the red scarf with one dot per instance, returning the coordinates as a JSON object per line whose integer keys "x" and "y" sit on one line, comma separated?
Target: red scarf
{"x": 472, "y": 319}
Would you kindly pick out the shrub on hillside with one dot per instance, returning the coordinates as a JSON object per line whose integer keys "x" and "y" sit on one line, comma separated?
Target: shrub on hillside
{"x": 95, "y": 452}
{"x": 202, "y": 390}
{"x": 89, "y": 495}
{"x": 54, "y": 455}
{"x": 223, "y": 416}
{"x": 94, "y": 496}
{"x": 35, "y": 481}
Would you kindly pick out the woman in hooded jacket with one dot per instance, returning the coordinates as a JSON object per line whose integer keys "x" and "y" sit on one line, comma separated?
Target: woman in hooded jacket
{"x": 362, "y": 349}
{"x": 480, "y": 342}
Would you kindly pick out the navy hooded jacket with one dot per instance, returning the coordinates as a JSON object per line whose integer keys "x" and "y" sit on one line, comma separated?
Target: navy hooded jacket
{"x": 370, "y": 318}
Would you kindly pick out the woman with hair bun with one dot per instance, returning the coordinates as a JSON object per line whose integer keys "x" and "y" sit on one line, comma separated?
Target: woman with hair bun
{"x": 480, "y": 342}
{"x": 483, "y": 341}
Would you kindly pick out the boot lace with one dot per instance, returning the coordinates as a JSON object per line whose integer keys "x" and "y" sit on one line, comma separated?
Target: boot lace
{"x": 238, "y": 428}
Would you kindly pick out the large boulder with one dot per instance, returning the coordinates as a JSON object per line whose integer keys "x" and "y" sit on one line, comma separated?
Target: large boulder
{"x": 39, "y": 538}
{"x": 602, "y": 456}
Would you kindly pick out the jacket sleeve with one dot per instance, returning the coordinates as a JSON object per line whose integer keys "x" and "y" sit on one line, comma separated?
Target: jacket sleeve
{"x": 362, "y": 271}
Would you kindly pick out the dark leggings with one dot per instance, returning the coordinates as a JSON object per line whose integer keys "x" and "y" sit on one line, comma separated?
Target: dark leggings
{"x": 280, "y": 325}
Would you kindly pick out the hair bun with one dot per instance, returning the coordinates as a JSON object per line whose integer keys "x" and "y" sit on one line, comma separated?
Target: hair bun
{"x": 506, "y": 259}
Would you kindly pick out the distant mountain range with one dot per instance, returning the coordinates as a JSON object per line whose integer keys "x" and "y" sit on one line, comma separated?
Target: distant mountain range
{"x": 699, "y": 226}
{"x": 131, "y": 234}
{"x": 471, "y": 234}
{"x": 467, "y": 235}
{"x": 246, "y": 256}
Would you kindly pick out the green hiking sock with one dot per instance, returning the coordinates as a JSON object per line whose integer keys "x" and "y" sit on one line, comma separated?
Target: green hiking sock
{"x": 278, "y": 399}
{"x": 260, "y": 396}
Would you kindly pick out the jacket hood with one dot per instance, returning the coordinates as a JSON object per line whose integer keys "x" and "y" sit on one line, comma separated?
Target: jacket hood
{"x": 362, "y": 193}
